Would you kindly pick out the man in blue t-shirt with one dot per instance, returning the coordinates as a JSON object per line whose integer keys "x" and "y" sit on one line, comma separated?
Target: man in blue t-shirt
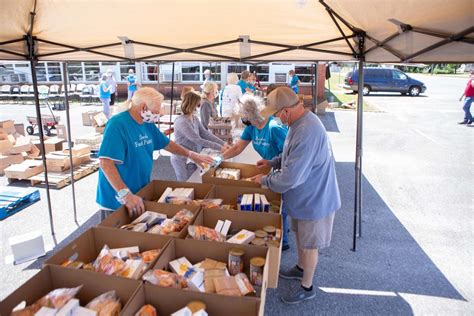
{"x": 126, "y": 153}
{"x": 294, "y": 81}
{"x": 131, "y": 83}
{"x": 266, "y": 135}
{"x": 243, "y": 83}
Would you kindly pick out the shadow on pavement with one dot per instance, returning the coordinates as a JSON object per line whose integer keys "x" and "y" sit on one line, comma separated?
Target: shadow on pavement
{"x": 388, "y": 261}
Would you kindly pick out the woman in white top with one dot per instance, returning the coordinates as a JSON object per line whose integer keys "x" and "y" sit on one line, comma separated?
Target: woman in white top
{"x": 230, "y": 95}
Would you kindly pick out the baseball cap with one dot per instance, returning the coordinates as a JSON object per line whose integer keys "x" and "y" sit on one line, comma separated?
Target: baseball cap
{"x": 278, "y": 99}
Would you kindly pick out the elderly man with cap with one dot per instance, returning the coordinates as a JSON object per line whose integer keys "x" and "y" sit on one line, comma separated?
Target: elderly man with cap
{"x": 126, "y": 153}
{"x": 307, "y": 180}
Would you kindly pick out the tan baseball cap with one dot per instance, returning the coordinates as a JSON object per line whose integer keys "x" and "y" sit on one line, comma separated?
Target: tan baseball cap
{"x": 282, "y": 97}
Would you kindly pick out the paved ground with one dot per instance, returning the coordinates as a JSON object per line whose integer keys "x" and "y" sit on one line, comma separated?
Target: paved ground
{"x": 415, "y": 255}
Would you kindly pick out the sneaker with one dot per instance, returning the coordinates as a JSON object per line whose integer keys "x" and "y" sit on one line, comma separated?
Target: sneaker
{"x": 298, "y": 296}
{"x": 292, "y": 274}
{"x": 463, "y": 122}
{"x": 469, "y": 122}
{"x": 285, "y": 247}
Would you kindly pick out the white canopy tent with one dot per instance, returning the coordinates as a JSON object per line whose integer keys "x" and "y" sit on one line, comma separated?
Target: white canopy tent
{"x": 376, "y": 31}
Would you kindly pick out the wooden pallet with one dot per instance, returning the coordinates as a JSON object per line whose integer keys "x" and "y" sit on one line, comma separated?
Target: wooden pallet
{"x": 59, "y": 180}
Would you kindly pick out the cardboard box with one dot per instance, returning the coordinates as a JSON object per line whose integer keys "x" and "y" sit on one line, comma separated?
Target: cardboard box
{"x": 87, "y": 246}
{"x": 196, "y": 251}
{"x": 20, "y": 128}
{"x": 120, "y": 217}
{"x": 94, "y": 140}
{"x": 58, "y": 161}
{"x": 22, "y": 144}
{"x": 53, "y": 144}
{"x": 153, "y": 190}
{"x": 88, "y": 117}
{"x": 168, "y": 300}
{"x": 61, "y": 131}
{"x": 246, "y": 171}
{"x": 8, "y": 126}
{"x": 230, "y": 194}
{"x": 53, "y": 277}
{"x": 250, "y": 221}
{"x": 100, "y": 120}
{"x": 5, "y": 145}
{"x": 79, "y": 150}
{"x": 24, "y": 170}
{"x": 8, "y": 160}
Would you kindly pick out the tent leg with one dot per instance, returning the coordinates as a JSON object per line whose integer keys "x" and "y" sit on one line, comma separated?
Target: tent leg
{"x": 316, "y": 85}
{"x": 358, "y": 160}
{"x": 41, "y": 135}
{"x": 172, "y": 99}
{"x": 69, "y": 136}
{"x": 313, "y": 88}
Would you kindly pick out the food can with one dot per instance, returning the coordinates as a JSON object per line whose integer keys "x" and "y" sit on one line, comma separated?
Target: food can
{"x": 256, "y": 270}
{"x": 258, "y": 242}
{"x": 270, "y": 230}
{"x": 236, "y": 261}
{"x": 273, "y": 243}
{"x": 260, "y": 234}
{"x": 196, "y": 306}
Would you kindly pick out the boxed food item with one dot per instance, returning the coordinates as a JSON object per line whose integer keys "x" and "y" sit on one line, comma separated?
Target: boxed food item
{"x": 155, "y": 189}
{"x": 88, "y": 117}
{"x": 54, "y": 287}
{"x": 245, "y": 171}
{"x": 95, "y": 244}
{"x": 242, "y": 237}
{"x": 227, "y": 173}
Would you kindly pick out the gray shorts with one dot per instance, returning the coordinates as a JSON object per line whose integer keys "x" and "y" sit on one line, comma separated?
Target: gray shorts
{"x": 314, "y": 234}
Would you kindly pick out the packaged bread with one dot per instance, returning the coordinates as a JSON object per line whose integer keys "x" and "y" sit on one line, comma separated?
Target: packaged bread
{"x": 150, "y": 255}
{"x": 147, "y": 310}
{"x": 106, "y": 304}
{"x": 107, "y": 263}
{"x": 165, "y": 279}
{"x": 204, "y": 233}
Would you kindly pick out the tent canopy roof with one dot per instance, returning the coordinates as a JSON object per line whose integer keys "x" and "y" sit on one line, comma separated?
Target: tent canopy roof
{"x": 258, "y": 31}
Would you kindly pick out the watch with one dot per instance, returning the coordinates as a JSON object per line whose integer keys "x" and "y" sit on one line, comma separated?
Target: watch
{"x": 121, "y": 194}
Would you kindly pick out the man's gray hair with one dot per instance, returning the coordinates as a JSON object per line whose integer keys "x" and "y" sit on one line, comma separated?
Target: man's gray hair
{"x": 146, "y": 95}
{"x": 250, "y": 107}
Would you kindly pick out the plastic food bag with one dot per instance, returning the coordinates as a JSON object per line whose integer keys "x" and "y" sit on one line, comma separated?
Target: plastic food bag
{"x": 165, "y": 279}
{"x": 204, "y": 233}
{"x": 54, "y": 299}
{"x": 107, "y": 263}
{"x": 106, "y": 304}
{"x": 147, "y": 310}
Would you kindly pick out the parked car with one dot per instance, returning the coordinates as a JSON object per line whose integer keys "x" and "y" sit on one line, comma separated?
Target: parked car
{"x": 384, "y": 80}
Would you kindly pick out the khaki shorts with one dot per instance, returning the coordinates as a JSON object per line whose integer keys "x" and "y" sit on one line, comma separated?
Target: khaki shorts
{"x": 314, "y": 234}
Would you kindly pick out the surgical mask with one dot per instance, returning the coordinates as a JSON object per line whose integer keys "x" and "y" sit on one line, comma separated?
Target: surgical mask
{"x": 279, "y": 121}
{"x": 150, "y": 117}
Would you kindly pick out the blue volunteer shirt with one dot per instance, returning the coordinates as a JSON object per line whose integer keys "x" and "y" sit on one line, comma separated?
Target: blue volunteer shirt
{"x": 244, "y": 85}
{"x": 104, "y": 94}
{"x": 130, "y": 145}
{"x": 294, "y": 83}
{"x": 307, "y": 175}
{"x": 132, "y": 79}
{"x": 268, "y": 141}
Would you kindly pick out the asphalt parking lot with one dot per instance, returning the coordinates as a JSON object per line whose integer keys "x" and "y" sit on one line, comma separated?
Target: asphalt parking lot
{"x": 415, "y": 255}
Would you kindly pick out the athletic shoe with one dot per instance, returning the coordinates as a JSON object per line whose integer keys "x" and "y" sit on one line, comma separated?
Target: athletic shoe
{"x": 298, "y": 296}
{"x": 292, "y": 274}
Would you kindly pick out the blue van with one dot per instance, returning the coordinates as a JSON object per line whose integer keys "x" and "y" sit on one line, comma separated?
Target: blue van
{"x": 384, "y": 80}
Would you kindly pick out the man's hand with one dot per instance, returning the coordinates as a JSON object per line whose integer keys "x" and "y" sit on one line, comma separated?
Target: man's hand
{"x": 201, "y": 159}
{"x": 257, "y": 178}
{"x": 134, "y": 205}
{"x": 263, "y": 163}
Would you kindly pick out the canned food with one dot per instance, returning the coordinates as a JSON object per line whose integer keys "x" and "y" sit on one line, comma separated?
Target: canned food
{"x": 236, "y": 261}
{"x": 273, "y": 243}
{"x": 260, "y": 234}
{"x": 196, "y": 306}
{"x": 258, "y": 242}
{"x": 270, "y": 230}
{"x": 256, "y": 270}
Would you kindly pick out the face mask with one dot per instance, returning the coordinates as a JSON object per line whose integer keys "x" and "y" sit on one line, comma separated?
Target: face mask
{"x": 150, "y": 117}
{"x": 246, "y": 122}
{"x": 279, "y": 120}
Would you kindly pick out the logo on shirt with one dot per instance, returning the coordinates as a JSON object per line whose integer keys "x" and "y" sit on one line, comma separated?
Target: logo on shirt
{"x": 261, "y": 141}
{"x": 143, "y": 140}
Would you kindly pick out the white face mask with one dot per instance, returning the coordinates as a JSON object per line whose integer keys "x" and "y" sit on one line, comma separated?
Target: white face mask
{"x": 150, "y": 117}
{"x": 279, "y": 121}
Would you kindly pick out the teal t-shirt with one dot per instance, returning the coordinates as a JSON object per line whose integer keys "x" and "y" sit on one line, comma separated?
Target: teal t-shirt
{"x": 133, "y": 82}
{"x": 130, "y": 145}
{"x": 268, "y": 141}
{"x": 104, "y": 94}
{"x": 244, "y": 85}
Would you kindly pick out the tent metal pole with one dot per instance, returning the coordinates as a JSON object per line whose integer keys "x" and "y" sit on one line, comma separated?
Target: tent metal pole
{"x": 358, "y": 158}
{"x": 313, "y": 90}
{"x": 316, "y": 84}
{"x": 69, "y": 136}
{"x": 171, "y": 101}
{"x": 41, "y": 135}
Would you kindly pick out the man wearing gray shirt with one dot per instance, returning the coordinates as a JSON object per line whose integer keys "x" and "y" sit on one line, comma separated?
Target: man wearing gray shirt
{"x": 306, "y": 176}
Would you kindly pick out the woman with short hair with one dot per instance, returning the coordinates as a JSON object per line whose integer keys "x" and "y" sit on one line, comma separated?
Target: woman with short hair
{"x": 104, "y": 95}
{"x": 191, "y": 134}
{"x": 230, "y": 95}
{"x": 208, "y": 110}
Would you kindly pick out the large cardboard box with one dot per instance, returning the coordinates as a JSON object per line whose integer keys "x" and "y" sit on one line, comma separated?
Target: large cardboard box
{"x": 250, "y": 221}
{"x": 53, "y": 144}
{"x": 120, "y": 217}
{"x": 94, "y": 140}
{"x": 79, "y": 150}
{"x": 196, "y": 251}
{"x": 88, "y": 117}
{"x": 53, "y": 277}
{"x": 230, "y": 194}
{"x": 167, "y": 301}
{"x": 5, "y": 145}
{"x": 246, "y": 171}
{"x": 59, "y": 161}
{"x": 24, "y": 170}
{"x": 153, "y": 190}
{"x": 20, "y": 128}
{"x": 8, "y": 126}
{"x": 61, "y": 131}
{"x": 87, "y": 246}
{"x": 22, "y": 144}
{"x": 8, "y": 160}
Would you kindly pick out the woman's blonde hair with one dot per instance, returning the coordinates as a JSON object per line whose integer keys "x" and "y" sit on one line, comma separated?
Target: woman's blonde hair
{"x": 185, "y": 90}
{"x": 232, "y": 78}
{"x": 208, "y": 87}
{"x": 190, "y": 102}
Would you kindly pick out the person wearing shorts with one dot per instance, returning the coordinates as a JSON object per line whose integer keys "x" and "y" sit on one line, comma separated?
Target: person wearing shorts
{"x": 306, "y": 177}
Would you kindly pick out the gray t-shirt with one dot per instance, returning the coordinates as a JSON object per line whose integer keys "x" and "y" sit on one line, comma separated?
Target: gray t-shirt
{"x": 190, "y": 133}
{"x": 208, "y": 110}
